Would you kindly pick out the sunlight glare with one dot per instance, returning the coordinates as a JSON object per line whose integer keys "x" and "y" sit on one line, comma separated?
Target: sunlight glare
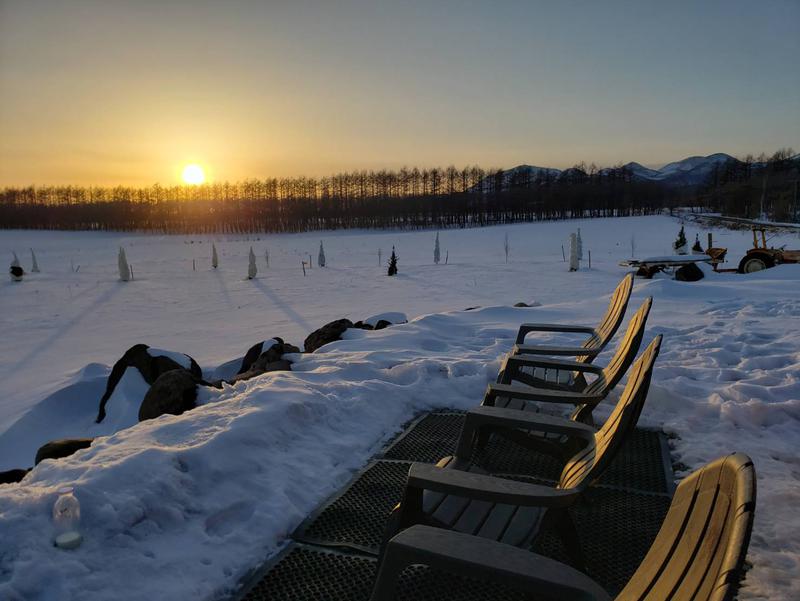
{"x": 193, "y": 175}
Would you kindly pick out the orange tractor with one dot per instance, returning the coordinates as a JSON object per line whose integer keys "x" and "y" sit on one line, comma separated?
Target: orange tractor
{"x": 757, "y": 258}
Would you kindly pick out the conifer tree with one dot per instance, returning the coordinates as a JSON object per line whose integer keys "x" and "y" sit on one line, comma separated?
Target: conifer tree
{"x": 393, "y": 263}
{"x": 252, "y": 270}
{"x": 321, "y": 257}
{"x": 680, "y": 243}
{"x": 697, "y": 248}
{"x": 506, "y": 247}
{"x": 214, "y": 257}
{"x": 436, "y": 251}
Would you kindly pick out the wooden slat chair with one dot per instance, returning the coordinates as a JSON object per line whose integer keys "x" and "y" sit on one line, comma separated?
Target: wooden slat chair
{"x": 598, "y": 337}
{"x": 698, "y": 555}
{"x": 463, "y": 498}
{"x": 510, "y": 396}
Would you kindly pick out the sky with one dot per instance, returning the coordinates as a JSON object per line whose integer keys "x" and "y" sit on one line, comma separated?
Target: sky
{"x": 105, "y": 92}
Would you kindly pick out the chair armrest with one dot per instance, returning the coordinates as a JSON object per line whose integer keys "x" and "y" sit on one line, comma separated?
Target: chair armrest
{"x": 549, "y": 363}
{"x": 484, "y": 559}
{"x": 544, "y": 395}
{"x": 563, "y": 351}
{"x": 482, "y": 487}
{"x": 539, "y": 422}
{"x": 527, "y": 328}
{"x": 497, "y": 417}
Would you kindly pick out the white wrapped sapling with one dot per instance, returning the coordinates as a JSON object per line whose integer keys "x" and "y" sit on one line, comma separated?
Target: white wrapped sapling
{"x": 15, "y": 260}
{"x": 573, "y": 252}
{"x": 252, "y": 270}
{"x": 580, "y": 245}
{"x": 321, "y": 257}
{"x": 34, "y": 263}
{"x": 122, "y": 263}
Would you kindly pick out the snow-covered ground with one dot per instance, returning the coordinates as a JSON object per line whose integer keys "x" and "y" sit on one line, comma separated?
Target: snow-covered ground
{"x": 182, "y": 506}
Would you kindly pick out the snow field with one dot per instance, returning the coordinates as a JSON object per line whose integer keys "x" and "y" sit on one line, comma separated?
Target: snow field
{"x": 183, "y": 505}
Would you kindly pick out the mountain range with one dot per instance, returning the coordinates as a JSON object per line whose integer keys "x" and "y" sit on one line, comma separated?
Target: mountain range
{"x": 690, "y": 171}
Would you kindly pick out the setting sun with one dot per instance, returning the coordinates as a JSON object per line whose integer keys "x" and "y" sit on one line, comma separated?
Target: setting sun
{"x": 193, "y": 174}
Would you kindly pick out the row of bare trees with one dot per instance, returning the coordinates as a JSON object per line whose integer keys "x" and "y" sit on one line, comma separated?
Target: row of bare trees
{"x": 406, "y": 198}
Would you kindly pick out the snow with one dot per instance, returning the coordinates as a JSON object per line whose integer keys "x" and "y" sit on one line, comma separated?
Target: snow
{"x": 179, "y": 358}
{"x": 182, "y": 506}
{"x": 391, "y": 317}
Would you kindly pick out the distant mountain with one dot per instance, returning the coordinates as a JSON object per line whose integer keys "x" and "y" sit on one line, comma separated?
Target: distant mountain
{"x": 693, "y": 170}
{"x": 531, "y": 171}
{"x": 690, "y": 171}
{"x": 641, "y": 171}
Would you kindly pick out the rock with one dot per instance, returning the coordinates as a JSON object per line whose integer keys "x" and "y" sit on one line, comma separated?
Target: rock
{"x": 689, "y": 273}
{"x": 274, "y": 354}
{"x": 257, "y": 370}
{"x": 362, "y": 326}
{"x": 254, "y": 352}
{"x": 12, "y": 476}
{"x": 382, "y": 323}
{"x": 327, "y": 333}
{"x": 56, "y": 449}
{"x": 391, "y": 318}
{"x": 173, "y": 392}
{"x": 16, "y": 273}
{"x": 149, "y": 366}
{"x": 521, "y": 305}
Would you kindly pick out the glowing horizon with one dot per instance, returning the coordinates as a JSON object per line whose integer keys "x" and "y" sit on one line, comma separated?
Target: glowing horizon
{"x": 130, "y": 93}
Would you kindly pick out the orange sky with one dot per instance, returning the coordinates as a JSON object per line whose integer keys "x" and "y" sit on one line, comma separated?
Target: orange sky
{"x": 106, "y": 92}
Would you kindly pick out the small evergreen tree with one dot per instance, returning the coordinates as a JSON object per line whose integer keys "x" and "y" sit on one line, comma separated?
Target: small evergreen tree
{"x": 680, "y": 242}
{"x": 697, "y": 248}
{"x": 35, "y": 264}
{"x": 214, "y": 257}
{"x": 436, "y": 252}
{"x": 266, "y": 256}
{"x": 506, "y": 247}
{"x": 393, "y": 263}
{"x": 122, "y": 263}
{"x": 321, "y": 257}
{"x": 252, "y": 270}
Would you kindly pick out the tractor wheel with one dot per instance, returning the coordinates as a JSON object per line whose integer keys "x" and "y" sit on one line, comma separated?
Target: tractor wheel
{"x": 755, "y": 262}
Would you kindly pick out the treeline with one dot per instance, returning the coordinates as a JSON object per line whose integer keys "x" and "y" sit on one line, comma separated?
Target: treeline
{"x": 407, "y": 198}
{"x": 752, "y": 187}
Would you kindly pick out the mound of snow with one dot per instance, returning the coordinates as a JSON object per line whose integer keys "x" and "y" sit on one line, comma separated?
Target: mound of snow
{"x": 183, "y": 360}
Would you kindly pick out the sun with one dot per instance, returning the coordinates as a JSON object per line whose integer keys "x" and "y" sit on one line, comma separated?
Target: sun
{"x": 193, "y": 175}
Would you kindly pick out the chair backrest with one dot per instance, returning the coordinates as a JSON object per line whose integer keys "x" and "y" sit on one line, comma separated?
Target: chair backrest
{"x": 611, "y": 321}
{"x": 700, "y": 550}
{"x": 626, "y": 352}
{"x": 588, "y": 465}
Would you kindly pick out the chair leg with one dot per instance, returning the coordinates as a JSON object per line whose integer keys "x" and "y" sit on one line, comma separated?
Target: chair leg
{"x": 566, "y": 530}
